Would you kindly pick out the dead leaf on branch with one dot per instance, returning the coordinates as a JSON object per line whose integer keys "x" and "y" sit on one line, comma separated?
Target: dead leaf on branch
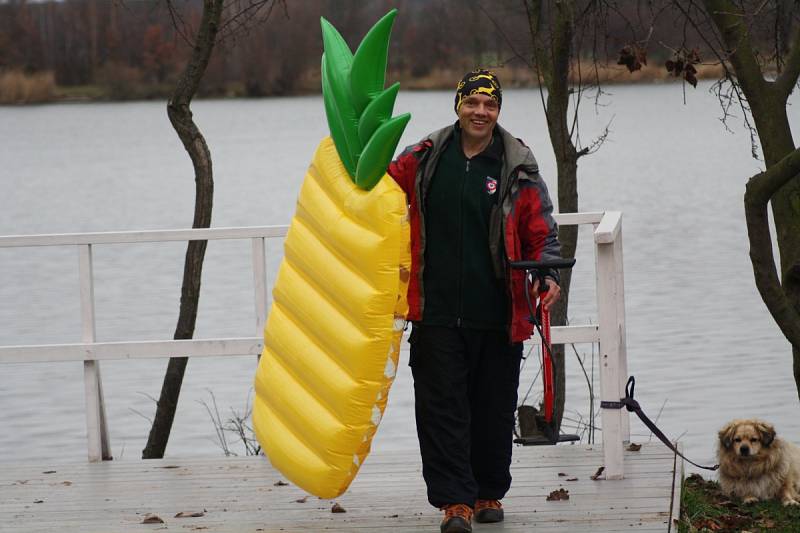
{"x": 682, "y": 65}
{"x": 633, "y": 57}
{"x": 558, "y": 495}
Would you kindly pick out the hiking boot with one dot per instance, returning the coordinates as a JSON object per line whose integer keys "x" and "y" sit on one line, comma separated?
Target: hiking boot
{"x": 488, "y": 511}
{"x": 457, "y": 518}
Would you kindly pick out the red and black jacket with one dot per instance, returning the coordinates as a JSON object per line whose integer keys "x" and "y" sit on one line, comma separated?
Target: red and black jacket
{"x": 521, "y": 227}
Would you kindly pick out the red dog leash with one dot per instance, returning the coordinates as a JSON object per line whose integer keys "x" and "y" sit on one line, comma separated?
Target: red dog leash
{"x": 547, "y": 359}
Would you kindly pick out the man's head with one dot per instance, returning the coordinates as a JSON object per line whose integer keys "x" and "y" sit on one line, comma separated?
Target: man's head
{"x": 479, "y": 81}
{"x": 478, "y": 101}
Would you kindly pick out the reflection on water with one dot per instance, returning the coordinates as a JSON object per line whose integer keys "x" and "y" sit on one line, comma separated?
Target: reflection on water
{"x": 700, "y": 343}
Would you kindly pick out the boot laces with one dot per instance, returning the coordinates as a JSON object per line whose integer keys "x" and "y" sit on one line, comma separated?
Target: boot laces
{"x": 458, "y": 509}
{"x": 488, "y": 504}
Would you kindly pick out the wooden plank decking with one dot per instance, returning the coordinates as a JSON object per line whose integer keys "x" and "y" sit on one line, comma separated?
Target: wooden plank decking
{"x": 241, "y": 495}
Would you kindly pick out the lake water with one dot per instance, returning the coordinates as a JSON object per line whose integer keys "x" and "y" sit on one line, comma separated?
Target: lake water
{"x": 700, "y": 342}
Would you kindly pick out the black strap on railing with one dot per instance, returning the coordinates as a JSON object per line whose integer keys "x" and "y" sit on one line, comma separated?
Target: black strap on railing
{"x": 633, "y": 406}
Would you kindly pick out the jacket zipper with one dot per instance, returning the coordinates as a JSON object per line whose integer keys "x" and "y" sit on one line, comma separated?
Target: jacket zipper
{"x": 460, "y": 310}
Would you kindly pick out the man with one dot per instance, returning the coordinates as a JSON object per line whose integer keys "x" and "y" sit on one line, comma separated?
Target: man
{"x": 476, "y": 202}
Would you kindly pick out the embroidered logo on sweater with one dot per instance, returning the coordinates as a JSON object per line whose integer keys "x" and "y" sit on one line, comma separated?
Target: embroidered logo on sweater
{"x": 491, "y": 185}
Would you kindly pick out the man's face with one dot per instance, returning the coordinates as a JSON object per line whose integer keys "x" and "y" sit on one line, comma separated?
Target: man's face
{"x": 477, "y": 117}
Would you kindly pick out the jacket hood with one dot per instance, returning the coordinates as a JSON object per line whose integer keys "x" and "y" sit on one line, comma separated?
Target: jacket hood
{"x": 517, "y": 154}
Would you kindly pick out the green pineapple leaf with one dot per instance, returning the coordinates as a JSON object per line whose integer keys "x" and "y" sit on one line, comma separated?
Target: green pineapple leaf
{"x": 335, "y": 124}
{"x": 368, "y": 73}
{"x": 379, "y": 150}
{"x": 377, "y": 112}
{"x": 357, "y": 106}
{"x": 337, "y": 63}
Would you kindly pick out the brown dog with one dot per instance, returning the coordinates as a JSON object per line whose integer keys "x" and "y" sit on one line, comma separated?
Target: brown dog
{"x": 756, "y": 465}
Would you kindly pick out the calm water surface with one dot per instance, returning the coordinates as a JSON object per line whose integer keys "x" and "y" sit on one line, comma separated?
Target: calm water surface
{"x": 700, "y": 342}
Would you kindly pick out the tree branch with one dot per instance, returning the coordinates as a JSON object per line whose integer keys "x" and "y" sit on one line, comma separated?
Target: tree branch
{"x": 508, "y": 41}
{"x": 758, "y": 192}
{"x": 788, "y": 78}
{"x": 730, "y": 21}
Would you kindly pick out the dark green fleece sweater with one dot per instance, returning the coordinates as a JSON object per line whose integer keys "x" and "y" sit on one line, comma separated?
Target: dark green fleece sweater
{"x": 461, "y": 288}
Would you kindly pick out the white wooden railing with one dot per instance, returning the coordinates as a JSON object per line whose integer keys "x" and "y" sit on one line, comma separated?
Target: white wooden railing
{"x": 609, "y": 330}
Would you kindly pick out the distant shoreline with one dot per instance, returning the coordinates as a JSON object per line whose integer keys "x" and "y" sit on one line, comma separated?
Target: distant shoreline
{"x": 18, "y": 88}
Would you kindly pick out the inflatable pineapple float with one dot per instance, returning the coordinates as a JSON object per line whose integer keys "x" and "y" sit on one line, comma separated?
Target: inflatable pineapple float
{"x": 332, "y": 339}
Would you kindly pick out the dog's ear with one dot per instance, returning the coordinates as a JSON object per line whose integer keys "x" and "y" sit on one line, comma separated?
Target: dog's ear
{"x": 726, "y": 435}
{"x": 767, "y": 432}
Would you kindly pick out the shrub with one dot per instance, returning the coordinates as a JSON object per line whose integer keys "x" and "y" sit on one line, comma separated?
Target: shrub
{"x": 17, "y": 87}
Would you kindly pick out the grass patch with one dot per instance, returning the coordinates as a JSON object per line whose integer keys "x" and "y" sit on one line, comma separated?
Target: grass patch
{"x": 705, "y": 509}
{"x": 81, "y": 92}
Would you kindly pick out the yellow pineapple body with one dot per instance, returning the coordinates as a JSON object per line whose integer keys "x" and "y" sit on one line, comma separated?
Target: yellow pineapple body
{"x": 332, "y": 339}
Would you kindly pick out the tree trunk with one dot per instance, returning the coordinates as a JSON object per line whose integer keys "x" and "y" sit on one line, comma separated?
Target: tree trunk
{"x": 180, "y": 115}
{"x": 767, "y": 101}
{"x": 553, "y": 58}
{"x": 776, "y": 142}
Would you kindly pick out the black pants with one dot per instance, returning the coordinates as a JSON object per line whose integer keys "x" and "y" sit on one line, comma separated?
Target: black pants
{"x": 465, "y": 386}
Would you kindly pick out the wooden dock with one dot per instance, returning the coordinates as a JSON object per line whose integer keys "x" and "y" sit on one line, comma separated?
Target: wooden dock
{"x": 244, "y": 494}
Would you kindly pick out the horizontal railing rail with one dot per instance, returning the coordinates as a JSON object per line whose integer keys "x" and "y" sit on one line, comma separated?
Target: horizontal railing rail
{"x": 609, "y": 331}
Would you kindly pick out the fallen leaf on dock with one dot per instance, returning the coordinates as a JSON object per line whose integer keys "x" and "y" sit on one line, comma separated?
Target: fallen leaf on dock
{"x": 633, "y": 447}
{"x": 562, "y": 474}
{"x": 38, "y": 501}
{"x": 152, "y": 519}
{"x": 599, "y": 473}
{"x": 280, "y": 483}
{"x": 338, "y": 508}
{"x": 49, "y": 472}
{"x": 557, "y": 495}
{"x": 302, "y": 500}
{"x": 188, "y": 514}
{"x": 168, "y": 466}
{"x": 572, "y": 479}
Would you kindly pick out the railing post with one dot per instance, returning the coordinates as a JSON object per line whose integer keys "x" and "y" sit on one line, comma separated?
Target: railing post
{"x": 623, "y": 343}
{"x": 260, "y": 282}
{"x": 610, "y": 310}
{"x": 96, "y": 426}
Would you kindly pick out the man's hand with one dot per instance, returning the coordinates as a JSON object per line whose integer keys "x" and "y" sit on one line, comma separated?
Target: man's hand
{"x": 552, "y": 295}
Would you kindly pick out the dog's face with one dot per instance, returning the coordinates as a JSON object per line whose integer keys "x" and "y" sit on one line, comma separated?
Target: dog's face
{"x": 746, "y": 438}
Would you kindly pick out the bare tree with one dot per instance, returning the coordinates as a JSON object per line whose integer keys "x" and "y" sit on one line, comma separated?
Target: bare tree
{"x": 213, "y": 26}
{"x": 758, "y": 44}
{"x": 553, "y": 52}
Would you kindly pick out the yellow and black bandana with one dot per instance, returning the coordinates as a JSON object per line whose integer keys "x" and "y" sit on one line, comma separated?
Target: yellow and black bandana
{"x": 479, "y": 81}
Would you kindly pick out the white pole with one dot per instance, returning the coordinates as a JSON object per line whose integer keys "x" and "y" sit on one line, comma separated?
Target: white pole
{"x": 96, "y": 426}
{"x": 260, "y": 283}
{"x": 610, "y": 341}
{"x": 623, "y": 343}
